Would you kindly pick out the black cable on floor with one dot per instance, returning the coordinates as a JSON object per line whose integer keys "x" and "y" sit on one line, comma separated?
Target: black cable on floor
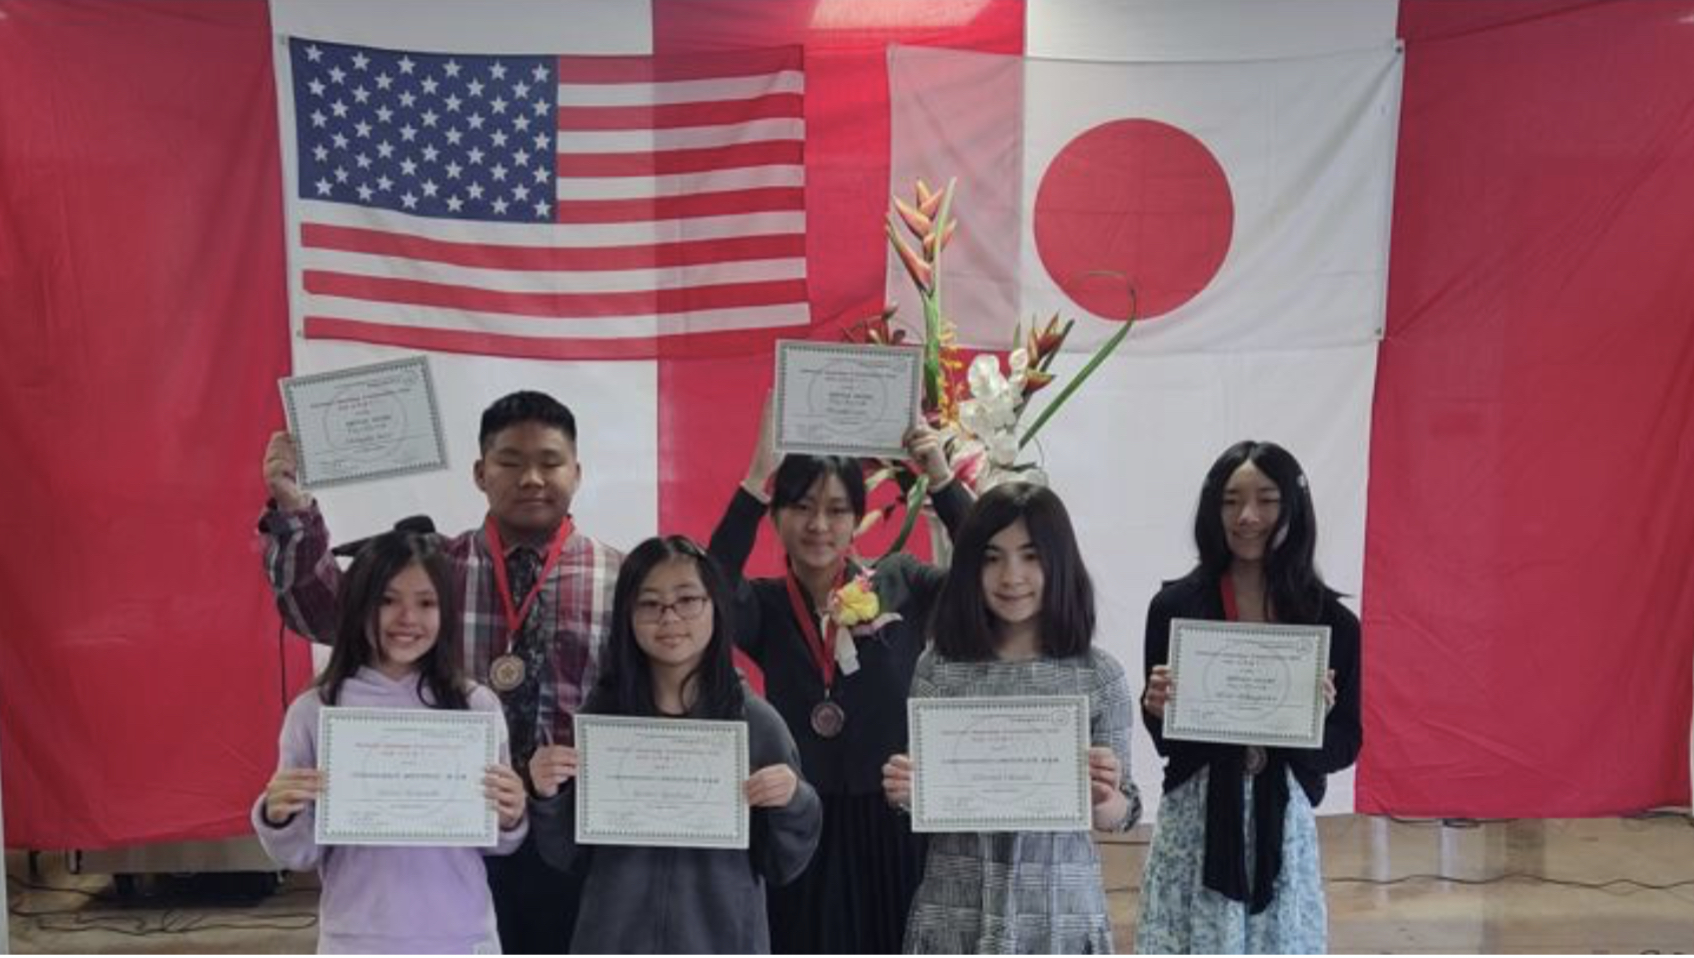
{"x": 1513, "y": 876}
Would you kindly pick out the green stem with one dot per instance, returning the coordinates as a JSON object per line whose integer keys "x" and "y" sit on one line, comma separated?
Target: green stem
{"x": 914, "y": 501}
{"x": 931, "y": 298}
{"x": 1072, "y": 386}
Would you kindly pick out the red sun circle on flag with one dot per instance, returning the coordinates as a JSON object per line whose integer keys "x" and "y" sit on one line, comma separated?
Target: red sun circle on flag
{"x": 1140, "y": 198}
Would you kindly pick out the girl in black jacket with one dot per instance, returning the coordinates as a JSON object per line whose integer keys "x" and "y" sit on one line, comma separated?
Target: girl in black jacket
{"x": 1234, "y": 864}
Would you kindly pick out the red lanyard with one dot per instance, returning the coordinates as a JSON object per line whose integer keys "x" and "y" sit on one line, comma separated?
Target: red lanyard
{"x": 823, "y": 647}
{"x": 1231, "y": 612}
{"x": 515, "y": 613}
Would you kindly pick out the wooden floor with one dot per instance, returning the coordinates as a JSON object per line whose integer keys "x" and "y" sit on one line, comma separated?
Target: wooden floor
{"x": 1572, "y": 886}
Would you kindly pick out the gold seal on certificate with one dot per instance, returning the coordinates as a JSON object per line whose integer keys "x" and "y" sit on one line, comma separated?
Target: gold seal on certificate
{"x": 506, "y": 673}
{"x": 365, "y": 423}
{"x": 1247, "y": 683}
{"x": 1003, "y": 764}
{"x": 845, "y": 399}
{"x": 406, "y": 777}
{"x": 669, "y": 783}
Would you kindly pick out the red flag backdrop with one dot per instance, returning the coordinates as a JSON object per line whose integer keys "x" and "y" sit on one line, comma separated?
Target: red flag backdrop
{"x": 144, "y": 327}
{"x": 1529, "y": 605}
{"x": 1529, "y": 565}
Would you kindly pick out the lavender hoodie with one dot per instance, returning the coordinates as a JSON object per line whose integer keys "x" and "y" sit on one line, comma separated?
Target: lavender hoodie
{"x": 385, "y": 900}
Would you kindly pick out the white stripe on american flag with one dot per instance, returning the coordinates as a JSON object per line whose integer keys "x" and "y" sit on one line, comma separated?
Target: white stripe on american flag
{"x": 553, "y": 281}
{"x": 424, "y": 317}
{"x": 681, "y": 91}
{"x": 683, "y": 138}
{"x": 647, "y": 187}
{"x": 575, "y": 236}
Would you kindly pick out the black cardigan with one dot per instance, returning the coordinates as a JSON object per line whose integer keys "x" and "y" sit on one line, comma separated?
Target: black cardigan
{"x": 1197, "y": 596}
{"x": 874, "y": 697}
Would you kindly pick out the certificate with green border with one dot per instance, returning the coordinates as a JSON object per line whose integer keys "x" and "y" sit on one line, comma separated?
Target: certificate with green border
{"x": 1002, "y": 764}
{"x": 845, "y": 399}
{"x": 367, "y": 422}
{"x": 669, "y": 783}
{"x": 406, "y": 777}
{"x": 1247, "y": 683}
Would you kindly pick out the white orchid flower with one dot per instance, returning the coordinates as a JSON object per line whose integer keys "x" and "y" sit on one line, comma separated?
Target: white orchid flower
{"x": 1019, "y": 363}
{"x": 985, "y": 377}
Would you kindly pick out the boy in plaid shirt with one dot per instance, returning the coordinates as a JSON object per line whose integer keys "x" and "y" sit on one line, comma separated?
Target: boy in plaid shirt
{"x": 537, "y": 601}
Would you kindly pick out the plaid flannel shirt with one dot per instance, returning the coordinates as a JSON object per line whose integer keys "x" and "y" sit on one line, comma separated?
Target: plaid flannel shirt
{"x": 305, "y": 579}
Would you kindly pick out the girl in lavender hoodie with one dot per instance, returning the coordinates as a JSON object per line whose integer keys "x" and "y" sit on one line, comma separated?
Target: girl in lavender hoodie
{"x": 396, "y": 647}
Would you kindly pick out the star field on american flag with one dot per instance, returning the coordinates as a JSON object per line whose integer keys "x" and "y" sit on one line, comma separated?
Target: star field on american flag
{"x": 447, "y": 135}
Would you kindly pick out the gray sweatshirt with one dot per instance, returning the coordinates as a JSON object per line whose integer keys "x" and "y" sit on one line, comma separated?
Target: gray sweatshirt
{"x": 687, "y": 900}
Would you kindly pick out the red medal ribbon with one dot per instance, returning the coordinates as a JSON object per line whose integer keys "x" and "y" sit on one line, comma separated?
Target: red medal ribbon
{"x": 823, "y": 647}
{"x": 515, "y": 613}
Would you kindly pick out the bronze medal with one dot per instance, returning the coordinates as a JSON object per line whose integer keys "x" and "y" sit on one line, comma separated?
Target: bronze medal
{"x": 828, "y": 719}
{"x": 1255, "y": 760}
{"x": 506, "y": 673}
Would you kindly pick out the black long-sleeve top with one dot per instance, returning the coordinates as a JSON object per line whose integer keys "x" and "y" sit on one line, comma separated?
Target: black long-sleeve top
{"x": 874, "y": 697}
{"x": 1198, "y": 596}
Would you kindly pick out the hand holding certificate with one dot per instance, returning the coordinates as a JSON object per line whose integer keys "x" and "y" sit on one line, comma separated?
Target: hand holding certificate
{"x": 406, "y": 777}
{"x": 370, "y": 422}
{"x": 1015, "y": 764}
{"x": 1247, "y": 683}
{"x": 843, "y": 399}
{"x": 674, "y": 783}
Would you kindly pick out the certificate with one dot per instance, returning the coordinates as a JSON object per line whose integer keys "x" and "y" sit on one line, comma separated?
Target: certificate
{"x": 406, "y": 777}
{"x": 844, "y": 399}
{"x": 669, "y": 783}
{"x": 1000, "y": 764}
{"x": 1247, "y": 683}
{"x": 369, "y": 422}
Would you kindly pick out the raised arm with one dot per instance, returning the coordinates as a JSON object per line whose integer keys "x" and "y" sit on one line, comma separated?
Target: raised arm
{"x": 304, "y": 577}
{"x": 950, "y": 498}
{"x": 733, "y": 539}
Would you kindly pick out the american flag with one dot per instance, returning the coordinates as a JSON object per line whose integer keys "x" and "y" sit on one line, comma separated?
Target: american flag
{"x": 547, "y": 207}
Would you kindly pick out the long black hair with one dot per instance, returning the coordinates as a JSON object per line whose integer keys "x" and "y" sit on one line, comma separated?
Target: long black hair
{"x": 964, "y": 629}
{"x": 626, "y": 677}
{"x": 441, "y": 677}
{"x": 1296, "y": 591}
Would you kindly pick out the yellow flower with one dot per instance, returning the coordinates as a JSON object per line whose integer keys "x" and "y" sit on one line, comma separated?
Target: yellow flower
{"x": 854, "y": 604}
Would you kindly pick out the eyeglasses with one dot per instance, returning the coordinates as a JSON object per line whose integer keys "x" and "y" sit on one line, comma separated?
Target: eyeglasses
{"x": 649, "y": 611}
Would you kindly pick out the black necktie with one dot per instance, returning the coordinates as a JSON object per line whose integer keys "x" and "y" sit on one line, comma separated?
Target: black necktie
{"x": 523, "y": 704}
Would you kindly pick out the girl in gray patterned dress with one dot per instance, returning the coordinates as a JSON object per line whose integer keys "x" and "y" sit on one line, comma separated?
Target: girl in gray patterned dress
{"x": 1016, "y": 617}
{"x": 1233, "y": 867}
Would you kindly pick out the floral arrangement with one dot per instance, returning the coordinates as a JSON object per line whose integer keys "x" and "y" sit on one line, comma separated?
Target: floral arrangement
{"x": 855, "y": 607}
{"x": 978, "y": 408}
{"x": 855, "y": 612}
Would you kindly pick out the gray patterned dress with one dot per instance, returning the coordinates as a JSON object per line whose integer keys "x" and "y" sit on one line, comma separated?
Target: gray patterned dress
{"x": 1021, "y": 892}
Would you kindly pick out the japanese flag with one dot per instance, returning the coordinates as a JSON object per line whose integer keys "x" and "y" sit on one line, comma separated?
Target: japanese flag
{"x": 1245, "y": 203}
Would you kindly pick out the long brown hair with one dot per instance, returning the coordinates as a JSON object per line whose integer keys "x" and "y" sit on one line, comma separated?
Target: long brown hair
{"x": 441, "y": 679}
{"x": 962, "y": 627}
